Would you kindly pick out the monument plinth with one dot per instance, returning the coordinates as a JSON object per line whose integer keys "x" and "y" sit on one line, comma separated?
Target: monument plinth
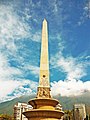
{"x": 44, "y": 106}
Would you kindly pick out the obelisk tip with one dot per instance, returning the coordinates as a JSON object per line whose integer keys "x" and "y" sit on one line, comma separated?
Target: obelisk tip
{"x": 44, "y": 20}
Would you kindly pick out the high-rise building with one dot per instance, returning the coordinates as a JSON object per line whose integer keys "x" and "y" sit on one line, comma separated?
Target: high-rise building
{"x": 79, "y": 111}
{"x": 19, "y": 108}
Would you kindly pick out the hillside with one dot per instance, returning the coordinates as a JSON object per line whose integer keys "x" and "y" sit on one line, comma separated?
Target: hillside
{"x": 66, "y": 102}
{"x": 7, "y": 107}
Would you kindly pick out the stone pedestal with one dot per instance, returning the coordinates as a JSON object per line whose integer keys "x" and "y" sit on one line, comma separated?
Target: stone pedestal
{"x": 44, "y": 109}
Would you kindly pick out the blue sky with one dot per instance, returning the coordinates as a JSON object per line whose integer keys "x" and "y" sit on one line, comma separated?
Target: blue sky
{"x": 20, "y": 41}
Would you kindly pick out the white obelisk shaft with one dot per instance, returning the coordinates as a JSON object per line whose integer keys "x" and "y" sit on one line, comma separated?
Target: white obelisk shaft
{"x": 44, "y": 84}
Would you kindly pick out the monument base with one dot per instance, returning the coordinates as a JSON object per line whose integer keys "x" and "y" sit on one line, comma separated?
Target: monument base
{"x": 43, "y": 114}
{"x": 44, "y": 109}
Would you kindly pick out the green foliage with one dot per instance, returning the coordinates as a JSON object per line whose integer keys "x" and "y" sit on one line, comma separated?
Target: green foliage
{"x": 6, "y": 117}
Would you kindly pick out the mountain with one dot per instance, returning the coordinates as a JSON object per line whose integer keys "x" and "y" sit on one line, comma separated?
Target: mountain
{"x": 7, "y": 107}
{"x": 66, "y": 102}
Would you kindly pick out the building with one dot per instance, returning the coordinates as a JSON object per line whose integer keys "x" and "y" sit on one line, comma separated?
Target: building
{"x": 19, "y": 108}
{"x": 79, "y": 112}
{"x": 44, "y": 106}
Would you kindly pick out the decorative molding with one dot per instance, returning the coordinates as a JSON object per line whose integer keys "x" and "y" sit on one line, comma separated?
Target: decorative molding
{"x": 44, "y": 114}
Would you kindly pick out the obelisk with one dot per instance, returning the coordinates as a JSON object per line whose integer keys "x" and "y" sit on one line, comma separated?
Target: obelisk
{"x": 44, "y": 83}
{"x": 44, "y": 106}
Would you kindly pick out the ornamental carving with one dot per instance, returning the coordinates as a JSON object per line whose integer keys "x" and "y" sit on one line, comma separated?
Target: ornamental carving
{"x": 43, "y": 92}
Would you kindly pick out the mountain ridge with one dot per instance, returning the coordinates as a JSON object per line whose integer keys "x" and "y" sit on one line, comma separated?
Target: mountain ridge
{"x": 66, "y": 102}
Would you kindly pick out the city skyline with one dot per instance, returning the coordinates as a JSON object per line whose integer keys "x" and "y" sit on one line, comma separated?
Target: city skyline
{"x": 20, "y": 42}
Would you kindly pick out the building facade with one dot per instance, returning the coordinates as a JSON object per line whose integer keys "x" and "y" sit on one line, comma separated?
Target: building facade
{"x": 19, "y": 108}
{"x": 79, "y": 112}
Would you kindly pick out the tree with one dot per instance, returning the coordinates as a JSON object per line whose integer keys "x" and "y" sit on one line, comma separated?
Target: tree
{"x": 6, "y": 117}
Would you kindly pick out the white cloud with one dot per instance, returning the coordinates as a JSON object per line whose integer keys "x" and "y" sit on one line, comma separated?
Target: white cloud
{"x": 69, "y": 65}
{"x": 7, "y": 87}
{"x": 87, "y": 57}
{"x": 70, "y": 88}
{"x": 13, "y": 88}
{"x": 28, "y": 68}
{"x": 12, "y": 25}
{"x": 36, "y": 36}
{"x": 26, "y": 87}
{"x": 85, "y": 14}
{"x": 87, "y": 9}
{"x": 6, "y": 71}
{"x": 56, "y": 6}
{"x": 33, "y": 69}
{"x": 75, "y": 69}
{"x": 13, "y": 29}
{"x": 61, "y": 43}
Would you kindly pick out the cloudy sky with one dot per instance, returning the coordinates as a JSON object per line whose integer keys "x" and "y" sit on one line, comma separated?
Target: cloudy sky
{"x": 20, "y": 40}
